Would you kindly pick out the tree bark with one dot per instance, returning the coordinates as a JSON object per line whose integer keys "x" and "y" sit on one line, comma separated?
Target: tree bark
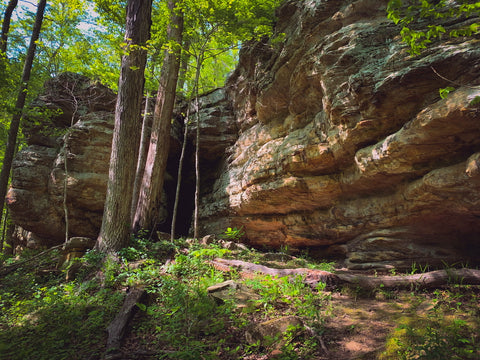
{"x": 143, "y": 151}
{"x": 12, "y": 4}
{"x": 115, "y": 231}
{"x": 9, "y": 234}
{"x": 152, "y": 183}
{"x": 20, "y": 103}
{"x": 182, "y": 73}
{"x": 428, "y": 280}
{"x": 66, "y": 153}
{"x": 197, "y": 162}
{"x": 200, "y": 59}
{"x": 5, "y": 230}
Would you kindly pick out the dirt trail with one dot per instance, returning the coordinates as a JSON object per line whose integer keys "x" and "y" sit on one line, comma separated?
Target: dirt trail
{"x": 359, "y": 327}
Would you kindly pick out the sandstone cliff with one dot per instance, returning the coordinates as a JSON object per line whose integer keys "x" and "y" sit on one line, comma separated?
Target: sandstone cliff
{"x": 345, "y": 146}
{"x": 330, "y": 137}
{"x": 75, "y": 117}
{"x": 74, "y": 112}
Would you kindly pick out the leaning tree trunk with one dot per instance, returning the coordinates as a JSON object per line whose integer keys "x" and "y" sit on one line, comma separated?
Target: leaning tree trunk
{"x": 12, "y": 4}
{"x": 20, "y": 103}
{"x": 152, "y": 183}
{"x": 115, "y": 230}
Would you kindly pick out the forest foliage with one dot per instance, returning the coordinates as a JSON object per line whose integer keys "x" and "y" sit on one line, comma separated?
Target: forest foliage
{"x": 43, "y": 316}
{"x": 87, "y": 37}
{"x": 423, "y": 21}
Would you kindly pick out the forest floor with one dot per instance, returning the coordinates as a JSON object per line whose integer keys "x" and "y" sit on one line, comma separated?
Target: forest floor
{"x": 185, "y": 313}
{"x": 360, "y": 327}
{"x": 386, "y": 325}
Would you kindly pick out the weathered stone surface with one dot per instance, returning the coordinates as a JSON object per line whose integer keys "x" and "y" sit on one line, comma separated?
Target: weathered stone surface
{"x": 79, "y": 243}
{"x": 334, "y": 139}
{"x": 271, "y": 333}
{"x": 232, "y": 291}
{"x": 218, "y": 128}
{"x": 37, "y": 192}
{"x": 344, "y": 144}
{"x": 65, "y": 99}
{"x": 36, "y": 196}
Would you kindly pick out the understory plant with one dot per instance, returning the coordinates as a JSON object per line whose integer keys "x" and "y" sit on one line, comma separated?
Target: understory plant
{"x": 187, "y": 323}
{"x": 46, "y": 318}
{"x": 448, "y": 329}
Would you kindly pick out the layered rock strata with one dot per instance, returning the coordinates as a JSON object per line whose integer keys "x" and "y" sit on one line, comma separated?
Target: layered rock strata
{"x": 74, "y": 123}
{"x": 345, "y": 145}
{"x": 329, "y": 137}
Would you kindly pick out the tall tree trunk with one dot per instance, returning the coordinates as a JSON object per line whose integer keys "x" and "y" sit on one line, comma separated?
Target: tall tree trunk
{"x": 179, "y": 175}
{"x": 197, "y": 168}
{"x": 4, "y": 230}
{"x": 142, "y": 153}
{"x": 66, "y": 153}
{"x": 20, "y": 103}
{"x": 200, "y": 59}
{"x": 12, "y": 4}
{"x": 9, "y": 234}
{"x": 115, "y": 230}
{"x": 152, "y": 182}
{"x": 182, "y": 74}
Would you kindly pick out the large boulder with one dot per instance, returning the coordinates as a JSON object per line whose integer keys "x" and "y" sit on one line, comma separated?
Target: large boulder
{"x": 39, "y": 188}
{"x": 345, "y": 145}
{"x": 43, "y": 183}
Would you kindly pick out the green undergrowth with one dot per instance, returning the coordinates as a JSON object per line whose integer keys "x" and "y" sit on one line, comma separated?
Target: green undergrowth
{"x": 42, "y": 316}
{"x": 444, "y": 324}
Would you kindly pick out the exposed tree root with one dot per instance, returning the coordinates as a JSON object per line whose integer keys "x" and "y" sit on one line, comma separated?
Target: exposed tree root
{"x": 427, "y": 280}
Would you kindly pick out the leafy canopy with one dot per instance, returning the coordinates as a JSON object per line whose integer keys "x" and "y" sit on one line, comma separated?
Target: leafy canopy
{"x": 214, "y": 31}
{"x": 85, "y": 36}
{"x": 419, "y": 19}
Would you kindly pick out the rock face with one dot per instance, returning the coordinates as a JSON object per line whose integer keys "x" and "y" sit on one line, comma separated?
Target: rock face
{"x": 84, "y": 112}
{"x": 36, "y": 196}
{"x": 345, "y": 146}
{"x": 330, "y": 137}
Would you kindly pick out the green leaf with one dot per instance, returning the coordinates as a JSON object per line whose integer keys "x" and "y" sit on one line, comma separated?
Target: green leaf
{"x": 475, "y": 101}
{"x": 141, "y": 306}
{"x": 445, "y": 91}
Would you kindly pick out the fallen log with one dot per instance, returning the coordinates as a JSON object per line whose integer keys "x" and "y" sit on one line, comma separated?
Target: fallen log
{"x": 428, "y": 280}
{"x": 116, "y": 329}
